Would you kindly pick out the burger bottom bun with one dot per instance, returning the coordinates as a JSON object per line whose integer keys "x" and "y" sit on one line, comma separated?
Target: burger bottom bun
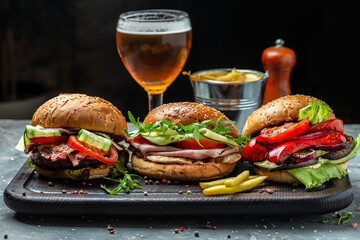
{"x": 283, "y": 176}
{"x": 181, "y": 172}
{"x": 78, "y": 174}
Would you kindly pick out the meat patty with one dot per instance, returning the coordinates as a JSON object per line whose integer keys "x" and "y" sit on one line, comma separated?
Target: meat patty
{"x": 42, "y": 162}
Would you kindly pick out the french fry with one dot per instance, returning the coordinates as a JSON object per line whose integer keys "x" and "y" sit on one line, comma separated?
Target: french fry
{"x": 238, "y": 179}
{"x": 205, "y": 185}
{"x": 222, "y": 189}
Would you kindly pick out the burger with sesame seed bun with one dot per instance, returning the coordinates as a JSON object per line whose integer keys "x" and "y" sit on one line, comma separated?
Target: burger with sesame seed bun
{"x": 184, "y": 141}
{"x": 74, "y": 136}
{"x": 298, "y": 139}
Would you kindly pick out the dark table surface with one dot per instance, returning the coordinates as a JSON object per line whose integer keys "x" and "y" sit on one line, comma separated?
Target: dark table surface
{"x": 18, "y": 226}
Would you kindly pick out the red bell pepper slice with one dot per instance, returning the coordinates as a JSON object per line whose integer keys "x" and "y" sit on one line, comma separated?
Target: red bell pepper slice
{"x": 329, "y": 125}
{"x": 281, "y": 152}
{"x": 285, "y": 131}
{"x": 255, "y": 150}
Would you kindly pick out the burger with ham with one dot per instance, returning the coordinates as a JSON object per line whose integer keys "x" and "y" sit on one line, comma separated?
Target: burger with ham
{"x": 298, "y": 139}
{"x": 74, "y": 136}
{"x": 184, "y": 141}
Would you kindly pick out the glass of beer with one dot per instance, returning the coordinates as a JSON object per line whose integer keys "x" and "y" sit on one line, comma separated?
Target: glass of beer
{"x": 154, "y": 46}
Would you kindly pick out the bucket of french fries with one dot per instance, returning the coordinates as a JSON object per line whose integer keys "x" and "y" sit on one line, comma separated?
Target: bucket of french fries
{"x": 235, "y": 92}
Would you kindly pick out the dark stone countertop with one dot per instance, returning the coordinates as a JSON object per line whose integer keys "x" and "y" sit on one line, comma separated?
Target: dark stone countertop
{"x": 18, "y": 226}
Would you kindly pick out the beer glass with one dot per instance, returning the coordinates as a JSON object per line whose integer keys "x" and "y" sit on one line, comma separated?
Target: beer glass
{"x": 154, "y": 45}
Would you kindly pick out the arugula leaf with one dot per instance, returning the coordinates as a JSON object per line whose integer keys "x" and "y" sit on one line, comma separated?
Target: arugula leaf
{"x": 162, "y": 127}
{"x": 121, "y": 175}
{"x": 343, "y": 219}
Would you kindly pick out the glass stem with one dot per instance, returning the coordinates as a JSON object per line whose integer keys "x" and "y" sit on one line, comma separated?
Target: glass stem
{"x": 155, "y": 100}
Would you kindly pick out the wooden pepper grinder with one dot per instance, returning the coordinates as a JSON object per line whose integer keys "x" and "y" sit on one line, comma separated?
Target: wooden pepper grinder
{"x": 278, "y": 61}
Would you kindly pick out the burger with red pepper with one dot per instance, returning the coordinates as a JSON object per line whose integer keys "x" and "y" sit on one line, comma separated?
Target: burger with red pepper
{"x": 298, "y": 139}
{"x": 74, "y": 136}
{"x": 184, "y": 141}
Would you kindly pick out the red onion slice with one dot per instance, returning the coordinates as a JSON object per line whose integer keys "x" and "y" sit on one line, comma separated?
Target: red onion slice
{"x": 297, "y": 158}
{"x": 333, "y": 147}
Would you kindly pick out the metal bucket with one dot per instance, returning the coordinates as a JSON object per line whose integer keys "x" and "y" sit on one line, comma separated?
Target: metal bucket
{"x": 236, "y": 100}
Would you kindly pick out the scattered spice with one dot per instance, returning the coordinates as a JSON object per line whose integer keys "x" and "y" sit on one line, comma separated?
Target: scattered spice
{"x": 145, "y": 193}
{"x": 145, "y": 177}
{"x": 112, "y": 231}
{"x": 229, "y": 236}
{"x": 186, "y": 186}
{"x": 5, "y": 236}
{"x": 63, "y": 191}
{"x": 180, "y": 192}
{"x": 146, "y": 182}
{"x": 83, "y": 183}
{"x": 354, "y": 225}
{"x": 81, "y": 192}
{"x": 169, "y": 182}
{"x": 196, "y": 234}
{"x": 290, "y": 220}
{"x": 189, "y": 192}
{"x": 358, "y": 209}
{"x": 151, "y": 182}
{"x": 24, "y": 194}
{"x": 164, "y": 181}
{"x": 50, "y": 184}
{"x": 213, "y": 227}
{"x": 269, "y": 191}
{"x": 157, "y": 182}
{"x": 181, "y": 228}
{"x": 176, "y": 230}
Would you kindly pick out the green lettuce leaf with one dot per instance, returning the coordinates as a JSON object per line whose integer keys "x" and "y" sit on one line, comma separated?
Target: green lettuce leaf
{"x": 315, "y": 177}
{"x": 316, "y": 112}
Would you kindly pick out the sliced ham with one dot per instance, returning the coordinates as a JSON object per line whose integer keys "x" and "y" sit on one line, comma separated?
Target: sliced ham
{"x": 170, "y": 151}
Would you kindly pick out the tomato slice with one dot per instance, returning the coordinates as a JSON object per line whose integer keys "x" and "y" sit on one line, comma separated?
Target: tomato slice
{"x": 287, "y": 130}
{"x": 108, "y": 158}
{"x": 329, "y": 125}
{"x": 44, "y": 140}
{"x": 141, "y": 140}
{"x": 193, "y": 144}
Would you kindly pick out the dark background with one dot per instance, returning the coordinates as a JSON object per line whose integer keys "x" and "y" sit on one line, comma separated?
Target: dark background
{"x": 49, "y": 47}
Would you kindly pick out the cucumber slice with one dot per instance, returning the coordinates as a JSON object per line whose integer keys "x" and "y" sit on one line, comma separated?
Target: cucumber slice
{"x": 217, "y": 137}
{"x": 94, "y": 140}
{"x": 32, "y": 132}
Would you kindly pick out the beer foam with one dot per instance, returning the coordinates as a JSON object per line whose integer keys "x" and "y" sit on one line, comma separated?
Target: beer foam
{"x": 153, "y": 28}
{"x": 154, "y": 22}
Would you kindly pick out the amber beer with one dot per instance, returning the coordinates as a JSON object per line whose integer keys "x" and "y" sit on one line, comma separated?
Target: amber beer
{"x": 154, "y": 59}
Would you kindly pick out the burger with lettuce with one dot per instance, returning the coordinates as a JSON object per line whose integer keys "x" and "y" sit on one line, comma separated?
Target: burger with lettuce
{"x": 75, "y": 136}
{"x": 298, "y": 139}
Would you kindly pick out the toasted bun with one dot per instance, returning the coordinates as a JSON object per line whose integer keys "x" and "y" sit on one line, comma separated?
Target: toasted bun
{"x": 89, "y": 173}
{"x": 186, "y": 113}
{"x": 80, "y": 111}
{"x": 181, "y": 172}
{"x": 283, "y": 176}
{"x": 275, "y": 112}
